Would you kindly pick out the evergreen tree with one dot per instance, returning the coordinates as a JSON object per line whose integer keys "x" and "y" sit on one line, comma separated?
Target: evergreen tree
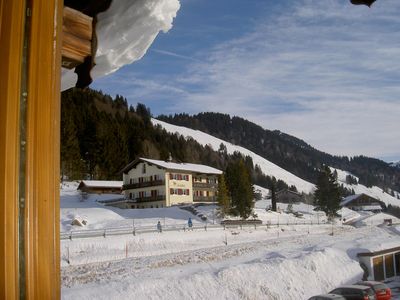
{"x": 71, "y": 164}
{"x": 273, "y": 196}
{"x": 327, "y": 194}
{"x": 240, "y": 188}
{"x": 223, "y": 196}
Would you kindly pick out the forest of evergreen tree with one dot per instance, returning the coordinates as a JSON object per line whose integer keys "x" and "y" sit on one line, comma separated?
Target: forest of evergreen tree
{"x": 100, "y": 135}
{"x": 287, "y": 151}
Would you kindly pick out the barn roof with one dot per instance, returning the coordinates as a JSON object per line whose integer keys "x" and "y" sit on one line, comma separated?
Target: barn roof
{"x": 351, "y": 198}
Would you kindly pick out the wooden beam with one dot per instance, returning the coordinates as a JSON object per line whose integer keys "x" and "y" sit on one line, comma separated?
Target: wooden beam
{"x": 77, "y": 37}
{"x": 12, "y": 16}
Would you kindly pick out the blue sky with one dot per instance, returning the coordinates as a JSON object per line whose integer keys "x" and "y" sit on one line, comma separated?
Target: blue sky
{"x": 324, "y": 71}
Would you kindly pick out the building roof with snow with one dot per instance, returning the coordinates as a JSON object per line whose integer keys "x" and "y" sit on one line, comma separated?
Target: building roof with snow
{"x": 193, "y": 168}
{"x": 362, "y": 200}
{"x": 348, "y": 199}
{"x": 100, "y": 186}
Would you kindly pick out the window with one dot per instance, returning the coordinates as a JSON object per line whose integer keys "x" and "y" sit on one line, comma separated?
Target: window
{"x": 171, "y": 191}
{"x": 144, "y": 168}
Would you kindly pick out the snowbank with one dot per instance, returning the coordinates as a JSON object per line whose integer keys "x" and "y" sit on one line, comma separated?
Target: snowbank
{"x": 254, "y": 264}
{"x": 250, "y": 263}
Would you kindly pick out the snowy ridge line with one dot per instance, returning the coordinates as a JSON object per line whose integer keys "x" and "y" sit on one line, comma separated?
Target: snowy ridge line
{"x": 77, "y": 234}
{"x": 267, "y": 167}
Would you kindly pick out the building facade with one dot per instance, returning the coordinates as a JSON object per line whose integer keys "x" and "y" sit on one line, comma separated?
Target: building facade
{"x": 150, "y": 183}
{"x": 380, "y": 265}
{"x": 288, "y": 196}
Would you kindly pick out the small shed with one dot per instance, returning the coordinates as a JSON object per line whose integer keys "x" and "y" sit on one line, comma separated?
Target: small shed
{"x": 381, "y": 265}
{"x": 100, "y": 187}
{"x": 288, "y": 196}
{"x": 362, "y": 202}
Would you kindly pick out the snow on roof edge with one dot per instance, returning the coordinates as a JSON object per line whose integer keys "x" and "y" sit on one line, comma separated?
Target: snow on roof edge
{"x": 198, "y": 168}
{"x": 102, "y": 183}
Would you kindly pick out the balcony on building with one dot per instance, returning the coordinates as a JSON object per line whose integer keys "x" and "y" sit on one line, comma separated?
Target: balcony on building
{"x": 136, "y": 185}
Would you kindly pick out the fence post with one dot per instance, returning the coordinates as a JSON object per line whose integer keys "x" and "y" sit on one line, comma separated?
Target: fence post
{"x": 134, "y": 231}
{"x": 68, "y": 261}
{"x": 104, "y": 234}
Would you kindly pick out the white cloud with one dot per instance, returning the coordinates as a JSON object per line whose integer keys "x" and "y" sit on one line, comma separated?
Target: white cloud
{"x": 324, "y": 71}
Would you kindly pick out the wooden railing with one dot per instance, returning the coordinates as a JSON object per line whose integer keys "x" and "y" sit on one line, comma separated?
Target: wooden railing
{"x": 210, "y": 199}
{"x": 150, "y": 198}
{"x": 205, "y": 185}
{"x": 137, "y": 185}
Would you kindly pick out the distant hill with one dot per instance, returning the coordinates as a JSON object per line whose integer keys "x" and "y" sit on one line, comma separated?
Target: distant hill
{"x": 100, "y": 135}
{"x": 348, "y": 182}
{"x": 395, "y": 164}
{"x": 286, "y": 151}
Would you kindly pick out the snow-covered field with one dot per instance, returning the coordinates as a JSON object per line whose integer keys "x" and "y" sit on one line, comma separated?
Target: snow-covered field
{"x": 285, "y": 262}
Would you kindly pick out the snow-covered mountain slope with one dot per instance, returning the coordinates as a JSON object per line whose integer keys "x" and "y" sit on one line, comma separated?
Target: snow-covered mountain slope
{"x": 395, "y": 164}
{"x": 374, "y": 191}
{"x": 266, "y": 166}
{"x": 271, "y": 169}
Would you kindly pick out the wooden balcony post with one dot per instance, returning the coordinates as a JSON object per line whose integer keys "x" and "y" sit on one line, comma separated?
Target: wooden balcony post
{"x": 12, "y": 15}
{"x": 42, "y": 242}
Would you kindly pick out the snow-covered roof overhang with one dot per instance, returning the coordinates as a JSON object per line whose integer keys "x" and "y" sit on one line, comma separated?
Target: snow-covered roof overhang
{"x": 171, "y": 166}
{"x": 125, "y": 31}
{"x": 101, "y": 184}
{"x": 378, "y": 252}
